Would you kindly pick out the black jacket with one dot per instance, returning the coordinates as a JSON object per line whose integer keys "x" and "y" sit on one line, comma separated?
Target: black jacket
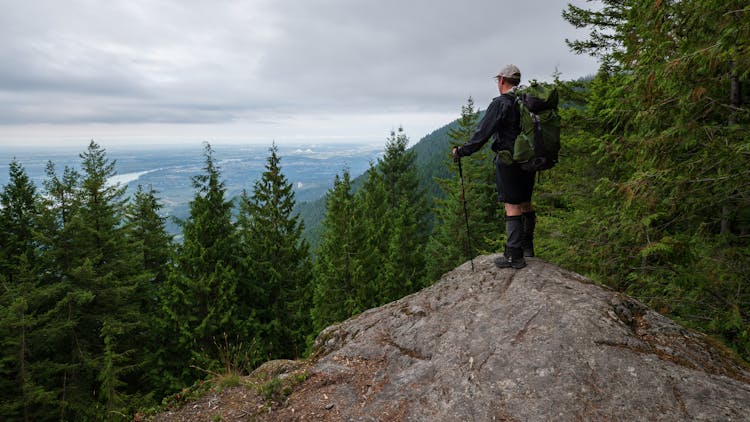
{"x": 502, "y": 119}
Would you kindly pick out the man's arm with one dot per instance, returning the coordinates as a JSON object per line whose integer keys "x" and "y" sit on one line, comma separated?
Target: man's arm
{"x": 485, "y": 129}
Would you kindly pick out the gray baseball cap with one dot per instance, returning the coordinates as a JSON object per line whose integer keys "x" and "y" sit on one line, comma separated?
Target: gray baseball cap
{"x": 509, "y": 71}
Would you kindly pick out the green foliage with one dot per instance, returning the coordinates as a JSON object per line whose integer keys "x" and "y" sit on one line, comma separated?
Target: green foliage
{"x": 277, "y": 389}
{"x": 71, "y": 325}
{"x": 18, "y": 213}
{"x": 149, "y": 236}
{"x": 606, "y": 26}
{"x": 154, "y": 249}
{"x": 337, "y": 281}
{"x": 312, "y": 213}
{"x": 108, "y": 333}
{"x": 199, "y": 301}
{"x": 277, "y": 270}
{"x": 393, "y": 211}
{"x": 448, "y": 244}
{"x": 429, "y": 156}
{"x": 98, "y": 309}
{"x": 665, "y": 220}
{"x": 372, "y": 245}
{"x": 404, "y": 223}
{"x": 22, "y": 391}
{"x": 274, "y": 390}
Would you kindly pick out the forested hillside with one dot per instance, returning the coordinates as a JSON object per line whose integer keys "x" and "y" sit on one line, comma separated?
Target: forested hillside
{"x": 431, "y": 152}
{"x": 653, "y": 194}
{"x": 101, "y": 313}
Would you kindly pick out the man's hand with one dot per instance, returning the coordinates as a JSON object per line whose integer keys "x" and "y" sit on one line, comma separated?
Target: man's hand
{"x": 454, "y": 152}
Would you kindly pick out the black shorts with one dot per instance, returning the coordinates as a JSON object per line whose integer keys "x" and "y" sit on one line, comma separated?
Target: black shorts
{"x": 514, "y": 185}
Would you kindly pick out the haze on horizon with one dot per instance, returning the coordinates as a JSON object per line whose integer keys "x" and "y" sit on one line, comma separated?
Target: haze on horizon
{"x": 256, "y": 71}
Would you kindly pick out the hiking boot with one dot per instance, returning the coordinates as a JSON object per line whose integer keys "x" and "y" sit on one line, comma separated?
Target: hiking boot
{"x": 527, "y": 239}
{"x": 512, "y": 258}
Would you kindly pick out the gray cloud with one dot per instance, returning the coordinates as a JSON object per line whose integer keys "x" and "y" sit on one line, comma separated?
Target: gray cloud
{"x": 196, "y": 61}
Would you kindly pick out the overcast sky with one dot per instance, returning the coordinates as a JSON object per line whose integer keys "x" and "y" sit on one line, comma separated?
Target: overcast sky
{"x": 131, "y": 71}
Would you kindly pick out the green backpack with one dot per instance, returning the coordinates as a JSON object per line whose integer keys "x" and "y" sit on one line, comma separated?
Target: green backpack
{"x": 538, "y": 144}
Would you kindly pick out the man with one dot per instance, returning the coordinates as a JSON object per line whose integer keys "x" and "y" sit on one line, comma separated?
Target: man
{"x": 514, "y": 185}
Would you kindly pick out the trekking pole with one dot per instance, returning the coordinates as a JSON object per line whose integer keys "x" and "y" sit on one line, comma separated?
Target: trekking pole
{"x": 466, "y": 214}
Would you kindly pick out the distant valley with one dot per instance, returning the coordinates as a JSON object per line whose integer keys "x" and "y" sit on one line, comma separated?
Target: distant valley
{"x": 310, "y": 168}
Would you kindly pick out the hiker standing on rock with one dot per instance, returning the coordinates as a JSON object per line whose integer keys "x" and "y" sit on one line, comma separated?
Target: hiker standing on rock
{"x": 514, "y": 185}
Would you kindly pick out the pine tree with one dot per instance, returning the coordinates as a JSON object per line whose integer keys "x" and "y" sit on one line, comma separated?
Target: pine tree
{"x": 199, "y": 303}
{"x": 17, "y": 218}
{"x": 60, "y": 202}
{"x": 148, "y": 237}
{"x": 674, "y": 184}
{"x": 336, "y": 279}
{"x": 607, "y": 25}
{"x": 394, "y": 212}
{"x": 371, "y": 210}
{"x": 277, "y": 262}
{"x": 106, "y": 267}
{"x": 89, "y": 277}
{"x": 25, "y": 391}
{"x": 449, "y": 245}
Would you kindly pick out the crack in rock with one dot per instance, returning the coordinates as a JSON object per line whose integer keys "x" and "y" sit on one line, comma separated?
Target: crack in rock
{"x": 412, "y": 353}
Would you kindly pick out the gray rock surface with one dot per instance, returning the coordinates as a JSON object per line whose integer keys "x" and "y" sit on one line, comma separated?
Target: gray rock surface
{"x": 535, "y": 344}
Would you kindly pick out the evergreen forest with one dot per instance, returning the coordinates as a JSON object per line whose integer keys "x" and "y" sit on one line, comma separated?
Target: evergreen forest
{"x": 103, "y": 314}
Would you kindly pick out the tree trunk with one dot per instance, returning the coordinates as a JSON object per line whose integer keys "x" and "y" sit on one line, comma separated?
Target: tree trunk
{"x": 734, "y": 101}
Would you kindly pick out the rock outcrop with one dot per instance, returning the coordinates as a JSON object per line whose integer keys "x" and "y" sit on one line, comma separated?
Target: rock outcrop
{"x": 535, "y": 344}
